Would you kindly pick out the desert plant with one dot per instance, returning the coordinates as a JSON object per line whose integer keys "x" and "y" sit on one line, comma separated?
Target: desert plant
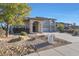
{"x": 75, "y": 32}
{"x": 23, "y": 33}
{"x": 70, "y": 30}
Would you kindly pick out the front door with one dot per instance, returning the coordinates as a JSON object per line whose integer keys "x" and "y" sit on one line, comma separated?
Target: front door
{"x": 36, "y": 26}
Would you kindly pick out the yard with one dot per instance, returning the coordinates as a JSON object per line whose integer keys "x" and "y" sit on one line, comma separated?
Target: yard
{"x": 19, "y": 45}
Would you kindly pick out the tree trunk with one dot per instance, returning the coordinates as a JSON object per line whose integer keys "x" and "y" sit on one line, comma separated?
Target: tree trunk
{"x": 2, "y": 26}
{"x": 7, "y": 30}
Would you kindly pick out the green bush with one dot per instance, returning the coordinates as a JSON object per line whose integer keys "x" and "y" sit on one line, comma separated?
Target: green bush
{"x": 23, "y": 33}
{"x": 60, "y": 27}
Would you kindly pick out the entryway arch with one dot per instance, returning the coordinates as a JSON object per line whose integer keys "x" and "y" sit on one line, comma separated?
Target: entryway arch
{"x": 35, "y": 26}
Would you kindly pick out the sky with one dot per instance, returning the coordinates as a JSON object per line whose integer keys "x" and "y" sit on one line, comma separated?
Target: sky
{"x": 63, "y": 12}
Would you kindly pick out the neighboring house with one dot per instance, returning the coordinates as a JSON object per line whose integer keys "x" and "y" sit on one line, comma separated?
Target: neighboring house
{"x": 39, "y": 24}
{"x": 67, "y": 25}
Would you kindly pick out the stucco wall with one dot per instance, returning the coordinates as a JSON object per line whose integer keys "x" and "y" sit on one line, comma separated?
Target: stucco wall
{"x": 46, "y": 26}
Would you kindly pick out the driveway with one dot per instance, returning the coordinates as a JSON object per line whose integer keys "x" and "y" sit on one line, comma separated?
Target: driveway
{"x": 67, "y": 37}
{"x": 66, "y": 50}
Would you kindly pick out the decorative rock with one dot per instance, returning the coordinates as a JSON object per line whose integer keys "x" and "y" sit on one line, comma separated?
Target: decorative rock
{"x": 50, "y": 38}
{"x": 25, "y": 37}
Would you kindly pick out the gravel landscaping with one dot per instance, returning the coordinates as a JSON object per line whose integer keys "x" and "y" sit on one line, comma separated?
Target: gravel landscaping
{"x": 42, "y": 44}
{"x": 20, "y": 47}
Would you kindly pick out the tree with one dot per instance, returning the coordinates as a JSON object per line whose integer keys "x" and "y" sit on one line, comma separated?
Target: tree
{"x": 10, "y": 12}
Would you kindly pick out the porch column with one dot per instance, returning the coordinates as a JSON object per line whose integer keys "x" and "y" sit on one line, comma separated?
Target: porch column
{"x": 50, "y": 25}
{"x": 55, "y": 28}
{"x": 41, "y": 26}
{"x": 31, "y": 26}
{"x": 11, "y": 29}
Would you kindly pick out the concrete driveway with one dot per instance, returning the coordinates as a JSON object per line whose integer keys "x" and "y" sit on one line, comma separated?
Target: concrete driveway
{"x": 66, "y": 50}
{"x": 67, "y": 37}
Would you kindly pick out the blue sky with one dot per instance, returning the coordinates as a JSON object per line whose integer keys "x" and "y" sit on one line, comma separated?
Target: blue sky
{"x": 63, "y": 12}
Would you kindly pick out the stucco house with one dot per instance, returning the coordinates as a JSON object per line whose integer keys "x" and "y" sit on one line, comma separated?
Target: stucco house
{"x": 39, "y": 24}
{"x": 67, "y": 26}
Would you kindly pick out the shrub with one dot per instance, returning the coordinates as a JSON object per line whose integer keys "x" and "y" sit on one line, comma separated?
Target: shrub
{"x": 24, "y": 37}
{"x": 60, "y": 27}
{"x": 70, "y": 30}
{"x": 23, "y": 33}
{"x": 75, "y": 32}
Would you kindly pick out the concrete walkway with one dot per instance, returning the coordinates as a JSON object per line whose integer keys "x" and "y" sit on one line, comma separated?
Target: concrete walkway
{"x": 67, "y": 50}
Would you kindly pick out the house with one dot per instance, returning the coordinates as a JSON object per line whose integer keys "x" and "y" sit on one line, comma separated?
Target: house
{"x": 67, "y": 26}
{"x": 39, "y": 24}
